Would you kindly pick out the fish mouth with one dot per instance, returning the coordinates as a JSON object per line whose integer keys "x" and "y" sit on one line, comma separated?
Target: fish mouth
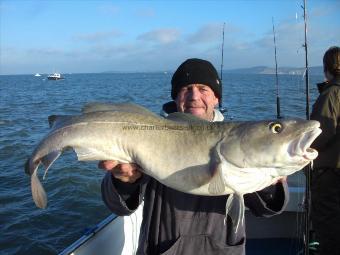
{"x": 301, "y": 146}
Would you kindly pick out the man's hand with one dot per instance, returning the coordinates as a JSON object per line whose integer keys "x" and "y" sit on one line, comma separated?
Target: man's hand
{"x": 125, "y": 172}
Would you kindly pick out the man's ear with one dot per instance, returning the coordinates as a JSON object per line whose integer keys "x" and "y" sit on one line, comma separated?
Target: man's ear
{"x": 216, "y": 103}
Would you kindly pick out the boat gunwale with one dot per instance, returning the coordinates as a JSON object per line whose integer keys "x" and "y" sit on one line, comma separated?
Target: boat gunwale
{"x": 89, "y": 233}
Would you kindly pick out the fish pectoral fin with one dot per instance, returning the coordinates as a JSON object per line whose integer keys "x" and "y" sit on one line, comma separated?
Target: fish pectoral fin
{"x": 235, "y": 209}
{"x": 48, "y": 160}
{"x": 86, "y": 154}
{"x": 217, "y": 184}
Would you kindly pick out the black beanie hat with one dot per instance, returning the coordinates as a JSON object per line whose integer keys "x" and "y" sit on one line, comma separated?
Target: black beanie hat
{"x": 196, "y": 71}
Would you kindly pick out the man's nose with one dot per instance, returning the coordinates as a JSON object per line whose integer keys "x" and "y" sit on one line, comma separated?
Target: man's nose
{"x": 194, "y": 93}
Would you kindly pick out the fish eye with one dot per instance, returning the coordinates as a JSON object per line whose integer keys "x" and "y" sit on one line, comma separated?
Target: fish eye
{"x": 275, "y": 127}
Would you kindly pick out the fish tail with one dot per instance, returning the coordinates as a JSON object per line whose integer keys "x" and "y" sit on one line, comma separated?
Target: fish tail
{"x": 38, "y": 192}
{"x": 31, "y": 167}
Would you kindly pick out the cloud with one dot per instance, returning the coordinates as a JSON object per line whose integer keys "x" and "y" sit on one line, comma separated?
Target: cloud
{"x": 242, "y": 49}
{"x": 45, "y": 52}
{"x": 207, "y": 34}
{"x": 113, "y": 51}
{"x": 288, "y": 34}
{"x": 31, "y": 10}
{"x": 97, "y": 36}
{"x": 324, "y": 10}
{"x": 165, "y": 48}
{"x": 160, "y": 36}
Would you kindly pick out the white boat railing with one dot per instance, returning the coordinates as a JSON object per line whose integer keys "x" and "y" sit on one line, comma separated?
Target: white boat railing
{"x": 113, "y": 235}
{"x": 88, "y": 235}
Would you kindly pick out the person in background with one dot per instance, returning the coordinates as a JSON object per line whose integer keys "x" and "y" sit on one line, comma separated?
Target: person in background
{"x": 175, "y": 222}
{"x": 325, "y": 185}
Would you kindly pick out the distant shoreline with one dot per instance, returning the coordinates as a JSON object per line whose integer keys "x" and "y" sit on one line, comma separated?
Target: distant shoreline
{"x": 314, "y": 70}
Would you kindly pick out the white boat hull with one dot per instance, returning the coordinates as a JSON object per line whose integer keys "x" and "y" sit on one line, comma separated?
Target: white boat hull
{"x": 114, "y": 235}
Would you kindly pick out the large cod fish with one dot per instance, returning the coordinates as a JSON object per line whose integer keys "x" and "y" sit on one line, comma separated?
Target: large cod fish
{"x": 182, "y": 151}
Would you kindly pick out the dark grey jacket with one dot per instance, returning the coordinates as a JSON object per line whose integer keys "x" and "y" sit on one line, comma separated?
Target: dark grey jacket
{"x": 327, "y": 110}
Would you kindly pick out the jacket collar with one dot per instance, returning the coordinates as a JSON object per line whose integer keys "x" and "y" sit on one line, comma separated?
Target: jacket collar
{"x": 218, "y": 116}
{"x": 325, "y": 85}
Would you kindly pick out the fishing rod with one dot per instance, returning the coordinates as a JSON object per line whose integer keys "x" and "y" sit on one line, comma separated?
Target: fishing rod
{"x": 308, "y": 168}
{"x": 222, "y": 51}
{"x": 278, "y": 116}
{"x": 221, "y": 108}
{"x": 306, "y": 60}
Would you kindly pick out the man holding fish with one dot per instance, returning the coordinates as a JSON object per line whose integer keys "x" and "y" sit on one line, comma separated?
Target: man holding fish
{"x": 194, "y": 172}
{"x": 180, "y": 223}
{"x": 184, "y": 165}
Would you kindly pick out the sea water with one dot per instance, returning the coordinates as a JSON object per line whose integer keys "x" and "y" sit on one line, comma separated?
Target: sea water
{"x": 73, "y": 187}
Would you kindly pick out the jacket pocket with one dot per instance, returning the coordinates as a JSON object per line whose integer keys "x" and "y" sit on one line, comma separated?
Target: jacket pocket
{"x": 202, "y": 245}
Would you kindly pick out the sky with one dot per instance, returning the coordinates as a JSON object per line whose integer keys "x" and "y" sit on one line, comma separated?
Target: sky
{"x": 90, "y": 36}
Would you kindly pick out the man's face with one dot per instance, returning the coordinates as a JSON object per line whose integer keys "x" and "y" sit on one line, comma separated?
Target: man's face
{"x": 197, "y": 99}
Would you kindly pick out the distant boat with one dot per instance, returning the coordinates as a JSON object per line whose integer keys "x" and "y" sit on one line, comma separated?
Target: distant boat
{"x": 37, "y": 75}
{"x": 55, "y": 76}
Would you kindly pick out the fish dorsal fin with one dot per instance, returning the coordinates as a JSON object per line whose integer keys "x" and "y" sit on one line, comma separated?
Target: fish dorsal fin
{"x": 55, "y": 120}
{"x": 51, "y": 120}
{"x": 121, "y": 107}
{"x": 185, "y": 117}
